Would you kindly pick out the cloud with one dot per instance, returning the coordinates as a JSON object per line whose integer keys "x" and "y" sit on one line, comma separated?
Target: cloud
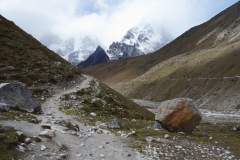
{"x": 106, "y": 19}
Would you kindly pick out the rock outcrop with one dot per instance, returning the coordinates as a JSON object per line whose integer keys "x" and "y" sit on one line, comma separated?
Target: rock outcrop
{"x": 15, "y": 95}
{"x": 178, "y": 115}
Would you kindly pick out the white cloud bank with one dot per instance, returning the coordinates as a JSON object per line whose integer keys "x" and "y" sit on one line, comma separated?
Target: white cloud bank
{"x": 108, "y": 19}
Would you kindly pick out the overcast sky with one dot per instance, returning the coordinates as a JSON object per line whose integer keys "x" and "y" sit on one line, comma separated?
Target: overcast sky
{"x": 108, "y": 19}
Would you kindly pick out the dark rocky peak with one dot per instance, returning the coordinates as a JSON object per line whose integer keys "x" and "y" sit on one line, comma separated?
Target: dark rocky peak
{"x": 99, "y": 56}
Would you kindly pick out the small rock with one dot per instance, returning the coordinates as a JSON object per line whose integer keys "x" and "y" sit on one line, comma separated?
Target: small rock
{"x": 129, "y": 155}
{"x": 27, "y": 141}
{"x": 43, "y": 148}
{"x": 98, "y": 123}
{"x": 166, "y": 136}
{"x": 6, "y": 128}
{"x": 73, "y": 132}
{"x": 114, "y": 124}
{"x": 179, "y": 147}
{"x": 157, "y": 126}
{"x": 93, "y": 114}
{"x": 79, "y": 155}
{"x": 46, "y": 126}
{"x": 63, "y": 156}
{"x": 149, "y": 139}
{"x": 101, "y": 146}
{"x": 19, "y": 133}
{"x": 4, "y": 107}
{"x": 103, "y": 126}
{"x": 47, "y": 133}
{"x": 49, "y": 113}
{"x": 21, "y": 148}
{"x": 101, "y": 155}
{"x": 59, "y": 144}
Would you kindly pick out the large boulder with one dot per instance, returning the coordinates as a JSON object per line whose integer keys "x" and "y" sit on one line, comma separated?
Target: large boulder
{"x": 18, "y": 96}
{"x": 178, "y": 115}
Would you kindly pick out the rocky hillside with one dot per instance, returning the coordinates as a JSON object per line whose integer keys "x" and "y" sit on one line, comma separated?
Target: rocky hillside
{"x": 128, "y": 69}
{"x": 203, "y": 64}
{"x": 24, "y": 59}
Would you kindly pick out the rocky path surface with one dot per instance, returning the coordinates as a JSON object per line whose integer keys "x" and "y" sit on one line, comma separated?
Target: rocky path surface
{"x": 88, "y": 143}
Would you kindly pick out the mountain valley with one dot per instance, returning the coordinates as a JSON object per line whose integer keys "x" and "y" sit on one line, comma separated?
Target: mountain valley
{"x": 103, "y": 104}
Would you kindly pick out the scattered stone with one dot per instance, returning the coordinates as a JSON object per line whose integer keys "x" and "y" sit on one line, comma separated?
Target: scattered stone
{"x": 179, "y": 115}
{"x": 149, "y": 139}
{"x": 7, "y": 128}
{"x": 18, "y": 96}
{"x": 166, "y": 136}
{"x": 27, "y": 141}
{"x": 114, "y": 124}
{"x": 103, "y": 126}
{"x": 129, "y": 155}
{"x": 46, "y": 126}
{"x": 4, "y": 107}
{"x": 236, "y": 128}
{"x": 179, "y": 147}
{"x": 47, "y": 133}
{"x": 73, "y": 132}
{"x": 98, "y": 123}
{"x": 19, "y": 133}
{"x": 157, "y": 126}
{"x": 43, "y": 148}
{"x": 21, "y": 148}
{"x": 93, "y": 114}
{"x": 63, "y": 156}
{"x": 49, "y": 113}
{"x": 101, "y": 155}
{"x": 101, "y": 146}
{"x": 79, "y": 155}
{"x": 59, "y": 144}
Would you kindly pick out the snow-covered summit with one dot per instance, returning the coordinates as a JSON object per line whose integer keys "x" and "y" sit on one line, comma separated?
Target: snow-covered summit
{"x": 138, "y": 40}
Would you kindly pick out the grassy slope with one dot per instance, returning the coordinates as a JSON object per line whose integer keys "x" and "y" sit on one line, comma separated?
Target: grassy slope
{"x": 24, "y": 59}
{"x": 125, "y": 70}
{"x": 208, "y": 76}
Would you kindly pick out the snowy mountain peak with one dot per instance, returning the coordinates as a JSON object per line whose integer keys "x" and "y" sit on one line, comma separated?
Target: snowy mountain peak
{"x": 138, "y": 40}
{"x": 138, "y": 34}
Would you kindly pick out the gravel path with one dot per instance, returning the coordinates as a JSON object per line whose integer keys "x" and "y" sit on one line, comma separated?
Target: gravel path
{"x": 85, "y": 144}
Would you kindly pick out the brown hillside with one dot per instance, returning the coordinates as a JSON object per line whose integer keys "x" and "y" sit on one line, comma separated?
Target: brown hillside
{"x": 209, "y": 34}
{"x": 24, "y": 59}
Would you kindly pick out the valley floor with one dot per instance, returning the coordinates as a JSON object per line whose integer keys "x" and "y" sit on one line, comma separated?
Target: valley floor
{"x": 214, "y": 138}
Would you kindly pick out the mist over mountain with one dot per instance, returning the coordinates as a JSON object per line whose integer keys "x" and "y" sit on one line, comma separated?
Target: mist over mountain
{"x": 139, "y": 40}
{"x": 72, "y": 49}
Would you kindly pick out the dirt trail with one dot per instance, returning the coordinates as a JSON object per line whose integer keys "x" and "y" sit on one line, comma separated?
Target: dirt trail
{"x": 82, "y": 145}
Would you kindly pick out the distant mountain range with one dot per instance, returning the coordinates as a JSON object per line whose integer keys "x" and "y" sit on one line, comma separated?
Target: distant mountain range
{"x": 139, "y": 40}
